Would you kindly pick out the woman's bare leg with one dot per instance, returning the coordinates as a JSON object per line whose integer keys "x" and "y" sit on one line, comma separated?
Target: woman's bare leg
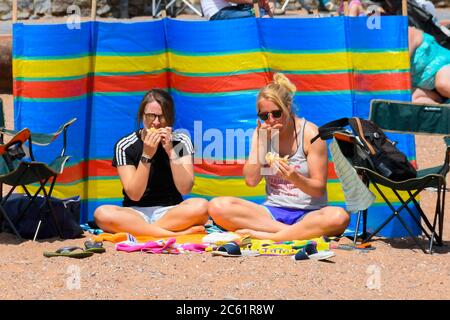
{"x": 329, "y": 221}
{"x": 115, "y": 219}
{"x": 442, "y": 82}
{"x": 426, "y": 96}
{"x": 233, "y": 213}
{"x": 191, "y": 212}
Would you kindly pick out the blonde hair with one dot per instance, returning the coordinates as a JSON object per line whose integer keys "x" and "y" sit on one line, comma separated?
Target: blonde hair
{"x": 280, "y": 91}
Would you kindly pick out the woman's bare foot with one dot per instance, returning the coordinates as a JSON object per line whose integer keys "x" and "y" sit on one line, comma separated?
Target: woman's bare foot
{"x": 193, "y": 230}
{"x": 256, "y": 234}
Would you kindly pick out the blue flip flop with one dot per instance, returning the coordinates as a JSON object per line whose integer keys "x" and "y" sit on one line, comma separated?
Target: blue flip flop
{"x": 230, "y": 249}
{"x": 309, "y": 252}
{"x": 95, "y": 247}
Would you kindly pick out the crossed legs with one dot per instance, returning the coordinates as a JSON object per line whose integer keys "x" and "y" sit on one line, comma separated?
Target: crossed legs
{"x": 186, "y": 218}
{"x": 245, "y": 217}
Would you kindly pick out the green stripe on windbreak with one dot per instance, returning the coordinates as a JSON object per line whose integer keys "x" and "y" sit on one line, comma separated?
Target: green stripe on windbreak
{"x": 217, "y": 74}
{"x": 380, "y": 71}
{"x": 211, "y": 54}
{"x": 22, "y": 99}
{"x": 268, "y": 51}
{"x": 323, "y": 93}
{"x": 215, "y": 94}
{"x": 51, "y": 79}
{"x": 130, "y": 54}
{"x": 137, "y": 73}
{"x": 212, "y": 176}
{"x": 308, "y": 72}
{"x": 73, "y": 164}
{"x": 362, "y": 93}
{"x": 389, "y": 50}
{"x": 37, "y": 58}
{"x": 103, "y": 200}
{"x": 119, "y": 94}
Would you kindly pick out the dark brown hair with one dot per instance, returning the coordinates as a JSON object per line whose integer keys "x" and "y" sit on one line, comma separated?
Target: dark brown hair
{"x": 164, "y": 99}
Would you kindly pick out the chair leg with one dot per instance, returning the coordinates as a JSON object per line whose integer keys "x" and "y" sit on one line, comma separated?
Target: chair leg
{"x": 441, "y": 216}
{"x": 52, "y": 210}
{"x": 410, "y": 233}
{"x": 358, "y": 218}
{"x": 5, "y": 215}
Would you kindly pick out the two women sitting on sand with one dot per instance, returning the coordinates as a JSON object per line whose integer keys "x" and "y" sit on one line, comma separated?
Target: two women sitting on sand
{"x": 155, "y": 167}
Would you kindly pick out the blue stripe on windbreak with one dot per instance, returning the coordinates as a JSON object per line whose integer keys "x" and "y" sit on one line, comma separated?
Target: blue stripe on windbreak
{"x": 212, "y": 37}
{"x": 50, "y": 40}
{"x": 136, "y": 37}
{"x": 390, "y": 34}
{"x": 46, "y": 117}
{"x": 303, "y": 34}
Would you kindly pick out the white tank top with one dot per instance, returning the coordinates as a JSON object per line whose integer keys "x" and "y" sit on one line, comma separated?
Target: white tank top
{"x": 282, "y": 193}
{"x": 211, "y": 7}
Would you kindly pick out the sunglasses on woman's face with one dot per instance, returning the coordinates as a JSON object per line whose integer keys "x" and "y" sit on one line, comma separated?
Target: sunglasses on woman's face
{"x": 265, "y": 115}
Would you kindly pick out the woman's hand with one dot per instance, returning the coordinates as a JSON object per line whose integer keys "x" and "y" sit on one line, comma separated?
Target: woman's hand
{"x": 166, "y": 139}
{"x": 285, "y": 171}
{"x": 151, "y": 141}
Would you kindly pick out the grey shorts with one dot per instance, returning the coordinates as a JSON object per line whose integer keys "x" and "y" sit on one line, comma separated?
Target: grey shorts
{"x": 152, "y": 214}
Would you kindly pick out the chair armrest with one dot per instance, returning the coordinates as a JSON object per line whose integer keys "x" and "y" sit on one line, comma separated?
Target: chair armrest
{"x": 44, "y": 139}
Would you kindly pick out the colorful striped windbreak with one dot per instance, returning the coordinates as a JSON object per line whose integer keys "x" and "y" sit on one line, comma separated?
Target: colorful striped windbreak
{"x": 99, "y": 72}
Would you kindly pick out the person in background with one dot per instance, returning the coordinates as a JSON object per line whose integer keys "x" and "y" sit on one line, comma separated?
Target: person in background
{"x": 233, "y": 9}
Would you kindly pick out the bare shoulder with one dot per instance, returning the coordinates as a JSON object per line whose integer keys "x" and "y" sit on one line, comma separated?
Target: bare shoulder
{"x": 311, "y": 130}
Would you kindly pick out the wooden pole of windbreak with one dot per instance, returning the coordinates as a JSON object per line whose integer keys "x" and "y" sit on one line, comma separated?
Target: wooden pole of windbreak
{"x": 14, "y": 11}
{"x": 163, "y": 9}
{"x": 404, "y": 7}
{"x": 345, "y": 8}
{"x": 256, "y": 8}
{"x": 93, "y": 10}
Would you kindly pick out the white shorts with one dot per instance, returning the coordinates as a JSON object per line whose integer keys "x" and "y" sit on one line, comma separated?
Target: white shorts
{"x": 152, "y": 214}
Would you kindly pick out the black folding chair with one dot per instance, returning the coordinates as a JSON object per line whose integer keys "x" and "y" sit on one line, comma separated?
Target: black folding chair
{"x": 18, "y": 170}
{"x": 413, "y": 118}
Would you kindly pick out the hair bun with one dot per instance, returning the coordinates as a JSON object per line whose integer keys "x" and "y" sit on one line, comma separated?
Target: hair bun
{"x": 282, "y": 80}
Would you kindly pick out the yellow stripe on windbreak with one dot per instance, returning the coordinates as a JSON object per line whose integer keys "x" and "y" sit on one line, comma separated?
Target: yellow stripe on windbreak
{"x": 339, "y": 61}
{"x": 130, "y": 63}
{"x": 217, "y": 64}
{"x": 395, "y": 60}
{"x": 51, "y": 68}
{"x": 233, "y": 187}
{"x": 308, "y": 61}
{"x": 96, "y": 189}
{"x": 210, "y": 187}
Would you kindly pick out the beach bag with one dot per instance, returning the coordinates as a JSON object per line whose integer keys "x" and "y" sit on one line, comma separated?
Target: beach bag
{"x": 67, "y": 212}
{"x": 382, "y": 154}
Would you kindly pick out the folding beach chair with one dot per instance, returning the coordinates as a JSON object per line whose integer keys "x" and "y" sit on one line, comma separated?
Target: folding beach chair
{"x": 413, "y": 118}
{"x": 16, "y": 169}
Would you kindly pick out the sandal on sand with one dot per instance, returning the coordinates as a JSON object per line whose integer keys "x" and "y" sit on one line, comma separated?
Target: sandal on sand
{"x": 95, "y": 247}
{"x": 71, "y": 252}
{"x": 230, "y": 249}
{"x": 309, "y": 252}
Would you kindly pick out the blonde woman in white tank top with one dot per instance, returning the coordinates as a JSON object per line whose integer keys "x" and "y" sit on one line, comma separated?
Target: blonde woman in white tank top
{"x": 296, "y": 204}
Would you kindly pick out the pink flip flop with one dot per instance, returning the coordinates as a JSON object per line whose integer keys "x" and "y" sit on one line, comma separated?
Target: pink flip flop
{"x": 151, "y": 246}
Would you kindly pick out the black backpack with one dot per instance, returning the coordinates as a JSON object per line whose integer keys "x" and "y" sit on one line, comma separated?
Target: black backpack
{"x": 383, "y": 156}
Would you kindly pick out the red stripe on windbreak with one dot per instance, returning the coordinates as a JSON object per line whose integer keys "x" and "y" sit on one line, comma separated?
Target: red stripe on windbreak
{"x": 95, "y": 168}
{"x": 50, "y": 89}
{"x": 382, "y": 81}
{"x": 321, "y": 82}
{"x": 104, "y": 168}
{"x": 235, "y": 170}
{"x": 250, "y": 81}
{"x": 129, "y": 83}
